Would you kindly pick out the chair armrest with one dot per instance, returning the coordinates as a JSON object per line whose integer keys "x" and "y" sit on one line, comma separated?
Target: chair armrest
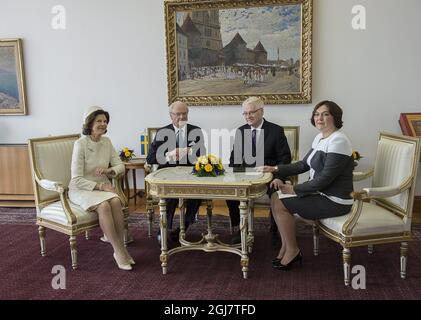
{"x": 64, "y": 198}
{"x": 52, "y": 185}
{"x": 379, "y": 192}
{"x": 371, "y": 193}
{"x": 358, "y": 175}
{"x": 382, "y": 192}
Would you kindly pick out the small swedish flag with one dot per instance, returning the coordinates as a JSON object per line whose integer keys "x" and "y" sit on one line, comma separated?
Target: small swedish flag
{"x": 144, "y": 145}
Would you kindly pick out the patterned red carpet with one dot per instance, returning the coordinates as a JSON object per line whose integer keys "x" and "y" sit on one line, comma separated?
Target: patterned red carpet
{"x": 24, "y": 274}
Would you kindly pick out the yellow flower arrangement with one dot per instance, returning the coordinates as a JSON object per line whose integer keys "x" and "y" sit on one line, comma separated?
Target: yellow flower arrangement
{"x": 208, "y": 166}
{"x": 126, "y": 154}
{"x": 356, "y": 155}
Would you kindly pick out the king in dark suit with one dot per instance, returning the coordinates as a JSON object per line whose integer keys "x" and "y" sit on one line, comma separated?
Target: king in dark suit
{"x": 178, "y": 144}
{"x": 257, "y": 143}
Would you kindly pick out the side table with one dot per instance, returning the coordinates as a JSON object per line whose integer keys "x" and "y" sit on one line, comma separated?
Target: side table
{"x": 133, "y": 165}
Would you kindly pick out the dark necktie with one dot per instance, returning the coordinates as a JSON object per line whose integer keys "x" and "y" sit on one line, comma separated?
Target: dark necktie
{"x": 177, "y": 139}
{"x": 253, "y": 142}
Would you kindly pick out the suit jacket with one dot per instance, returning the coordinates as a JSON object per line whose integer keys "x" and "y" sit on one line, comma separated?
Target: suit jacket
{"x": 193, "y": 138}
{"x": 276, "y": 149}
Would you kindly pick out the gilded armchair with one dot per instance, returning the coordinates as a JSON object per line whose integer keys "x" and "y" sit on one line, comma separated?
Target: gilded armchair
{"x": 383, "y": 212}
{"x": 50, "y": 164}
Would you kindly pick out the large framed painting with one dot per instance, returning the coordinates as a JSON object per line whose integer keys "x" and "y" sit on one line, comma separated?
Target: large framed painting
{"x": 223, "y": 51}
{"x": 12, "y": 80}
{"x": 410, "y": 124}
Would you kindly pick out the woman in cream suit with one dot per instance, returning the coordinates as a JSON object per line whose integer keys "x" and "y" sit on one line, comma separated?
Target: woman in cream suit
{"x": 94, "y": 161}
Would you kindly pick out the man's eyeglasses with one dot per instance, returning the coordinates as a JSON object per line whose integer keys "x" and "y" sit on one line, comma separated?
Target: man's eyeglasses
{"x": 179, "y": 114}
{"x": 251, "y": 113}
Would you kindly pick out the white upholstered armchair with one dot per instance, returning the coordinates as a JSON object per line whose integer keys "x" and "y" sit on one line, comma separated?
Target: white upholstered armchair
{"x": 51, "y": 159}
{"x": 383, "y": 212}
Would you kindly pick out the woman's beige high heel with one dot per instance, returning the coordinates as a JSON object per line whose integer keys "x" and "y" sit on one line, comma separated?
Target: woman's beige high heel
{"x": 122, "y": 266}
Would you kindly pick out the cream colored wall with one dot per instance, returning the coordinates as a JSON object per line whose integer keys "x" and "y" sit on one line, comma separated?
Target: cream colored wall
{"x": 113, "y": 54}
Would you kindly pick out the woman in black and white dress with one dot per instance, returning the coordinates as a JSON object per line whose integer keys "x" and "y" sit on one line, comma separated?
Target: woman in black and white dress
{"x": 326, "y": 194}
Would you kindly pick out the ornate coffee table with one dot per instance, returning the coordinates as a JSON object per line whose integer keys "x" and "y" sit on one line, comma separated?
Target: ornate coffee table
{"x": 179, "y": 183}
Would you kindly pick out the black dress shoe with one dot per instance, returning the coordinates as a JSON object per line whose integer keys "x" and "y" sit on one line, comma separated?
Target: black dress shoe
{"x": 276, "y": 261}
{"x": 286, "y": 267}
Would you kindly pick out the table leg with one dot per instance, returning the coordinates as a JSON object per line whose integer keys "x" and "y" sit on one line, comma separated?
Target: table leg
{"x": 134, "y": 185}
{"x": 163, "y": 227}
{"x": 126, "y": 180}
{"x": 243, "y": 228}
{"x": 182, "y": 207}
{"x": 250, "y": 236}
{"x": 211, "y": 238}
{"x": 209, "y": 207}
{"x": 123, "y": 185}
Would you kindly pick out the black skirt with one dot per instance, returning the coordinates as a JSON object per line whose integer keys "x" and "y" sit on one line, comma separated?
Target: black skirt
{"x": 315, "y": 206}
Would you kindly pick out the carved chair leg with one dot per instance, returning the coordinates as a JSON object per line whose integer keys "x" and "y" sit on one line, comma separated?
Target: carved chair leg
{"x": 404, "y": 255}
{"x": 163, "y": 229}
{"x": 41, "y": 232}
{"x": 73, "y": 251}
{"x": 370, "y": 248}
{"x": 87, "y": 234}
{"x": 346, "y": 257}
{"x": 250, "y": 220}
{"x": 315, "y": 240}
{"x": 126, "y": 234}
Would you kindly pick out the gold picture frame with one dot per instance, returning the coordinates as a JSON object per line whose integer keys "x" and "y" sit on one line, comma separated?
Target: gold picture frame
{"x": 410, "y": 124}
{"x": 151, "y": 136}
{"x": 12, "y": 78}
{"x": 221, "y": 52}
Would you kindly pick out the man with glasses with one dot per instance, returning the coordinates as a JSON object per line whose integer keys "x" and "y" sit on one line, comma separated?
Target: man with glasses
{"x": 257, "y": 143}
{"x": 177, "y": 144}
